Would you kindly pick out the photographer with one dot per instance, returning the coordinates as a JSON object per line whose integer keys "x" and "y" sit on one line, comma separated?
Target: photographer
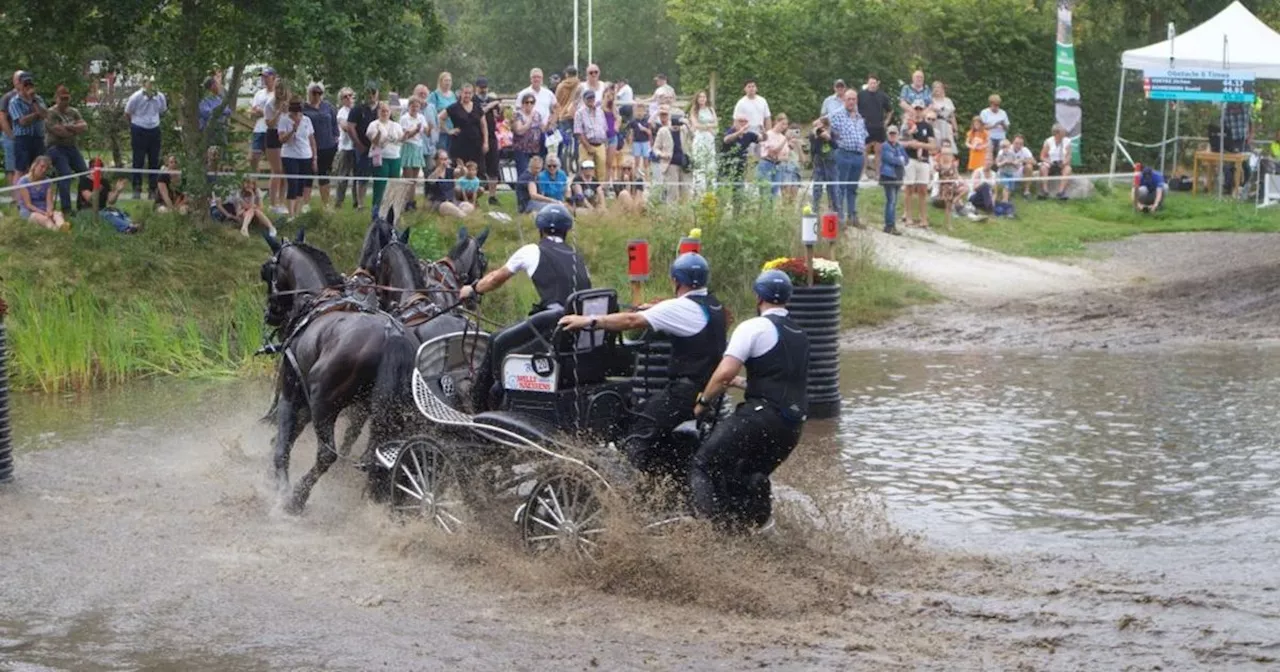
{"x": 822, "y": 152}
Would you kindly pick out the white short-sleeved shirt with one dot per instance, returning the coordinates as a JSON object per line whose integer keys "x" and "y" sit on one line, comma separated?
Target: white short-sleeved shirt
{"x": 1058, "y": 153}
{"x": 991, "y": 119}
{"x": 680, "y": 316}
{"x": 754, "y": 337}
{"x": 299, "y": 146}
{"x": 543, "y": 100}
{"x": 392, "y": 134}
{"x": 526, "y": 258}
{"x": 344, "y": 138}
{"x": 260, "y": 100}
{"x": 625, "y": 95}
{"x": 756, "y": 111}
{"x": 408, "y": 124}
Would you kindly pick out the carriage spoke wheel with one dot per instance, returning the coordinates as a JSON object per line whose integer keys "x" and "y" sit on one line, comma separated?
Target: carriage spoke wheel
{"x": 424, "y": 483}
{"x": 563, "y": 514}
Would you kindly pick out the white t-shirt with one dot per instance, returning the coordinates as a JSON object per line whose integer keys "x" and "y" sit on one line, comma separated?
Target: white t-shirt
{"x": 625, "y": 95}
{"x": 299, "y": 146}
{"x": 344, "y": 139}
{"x": 392, "y": 135}
{"x": 754, "y": 337}
{"x": 756, "y": 111}
{"x": 980, "y": 177}
{"x": 664, "y": 90}
{"x": 1018, "y": 156}
{"x": 526, "y": 258}
{"x": 1058, "y": 153}
{"x": 679, "y": 316}
{"x": 260, "y": 100}
{"x": 408, "y": 124}
{"x": 543, "y": 100}
{"x": 599, "y": 89}
{"x": 991, "y": 119}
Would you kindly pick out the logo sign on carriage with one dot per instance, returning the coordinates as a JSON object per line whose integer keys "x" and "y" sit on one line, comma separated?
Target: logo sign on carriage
{"x": 1205, "y": 86}
{"x": 527, "y": 373}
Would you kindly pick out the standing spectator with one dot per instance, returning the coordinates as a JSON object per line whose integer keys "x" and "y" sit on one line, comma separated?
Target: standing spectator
{"x": 347, "y": 157}
{"x": 978, "y": 141}
{"x": 553, "y": 183}
{"x": 28, "y": 112}
{"x": 469, "y": 135}
{"x": 822, "y": 153}
{"x": 893, "y": 168}
{"x": 835, "y": 101}
{"x": 324, "y": 120}
{"x": 544, "y": 99}
{"x": 920, "y": 144}
{"x": 298, "y": 151}
{"x": 996, "y": 121}
{"x": 1238, "y": 138}
{"x": 1055, "y": 161}
{"x": 944, "y": 110}
{"x": 755, "y": 108}
{"x": 774, "y": 153}
{"x": 64, "y": 125}
{"x": 257, "y": 109}
{"x": 169, "y": 196}
{"x": 568, "y": 96}
{"x": 613, "y": 138}
{"x": 142, "y": 110}
{"x": 662, "y": 92}
{"x": 34, "y": 204}
{"x": 210, "y": 102}
{"x": 593, "y": 82}
{"x": 626, "y": 100}
{"x": 737, "y": 142}
{"x": 705, "y": 127}
{"x": 441, "y": 99}
{"x": 491, "y": 108}
{"x": 272, "y": 113}
{"x": 415, "y": 128}
{"x": 358, "y": 121}
{"x": 850, "y": 134}
{"x": 877, "y": 113}
{"x": 915, "y": 92}
{"x": 6, "y": 128}
{"x": 591, "y": 130}
{"x": 385, "y": 137}
{"x": 528, "y": 199}
{"x": 442, "y": 189}
{"x": 526, "y": 139}
{"x": 668, "y": 147}
{"x": 641, "y": 141}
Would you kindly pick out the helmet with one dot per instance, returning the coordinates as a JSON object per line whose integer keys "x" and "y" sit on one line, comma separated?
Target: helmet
{"x": 691, "y": 270}
{"x": 554, "y": 219}
{"x": 773, "y": 287}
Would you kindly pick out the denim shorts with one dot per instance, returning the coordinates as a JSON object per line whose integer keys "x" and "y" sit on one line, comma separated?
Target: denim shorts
{"x": 640, "y": 150}
{"x": 10, "y": 159}
{"x": 259, "y": 142}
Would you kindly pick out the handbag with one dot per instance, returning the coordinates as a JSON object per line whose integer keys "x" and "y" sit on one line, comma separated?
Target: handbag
{"x": 375, "y": 157}
{"x": 678, "y": 155}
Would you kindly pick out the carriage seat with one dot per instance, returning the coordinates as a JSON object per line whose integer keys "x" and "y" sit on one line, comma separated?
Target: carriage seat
{"x": 590, "y": 356}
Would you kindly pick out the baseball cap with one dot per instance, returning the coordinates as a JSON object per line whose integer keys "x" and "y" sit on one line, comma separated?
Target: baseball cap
{"x": 891, "y": 130}
{"x": 660, "y": 76}
{"x": 918, "y": 105}
{"x": 316, "y": 86}
{"x": 26, "y": 78}
{"x": 482, "y": 82}
{"x": 588, "y": 164}
{"x": 268, "y": 72}
{"x": 839, "y": 82}
{"x": 370, "y": 85}
{"x": 208, "y": 83}
{"x": 589, "y": 93}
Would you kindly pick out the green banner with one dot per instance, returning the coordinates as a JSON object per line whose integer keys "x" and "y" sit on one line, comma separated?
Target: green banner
{"x": 1066, "y": 88}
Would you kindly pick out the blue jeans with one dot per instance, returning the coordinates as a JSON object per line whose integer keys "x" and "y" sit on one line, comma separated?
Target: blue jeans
{"x": 824, "y": 170}
{"x": 768, "y": 171}
{"x": 10, "y": 159}
{"x": 848, "y": 172}
{"x": 66, "y": 160}
{"x": 146, "y": 149}
{"x": 891, "y": 192}
{"x": 522, "y": 162}
{"x": 568, "y": 150}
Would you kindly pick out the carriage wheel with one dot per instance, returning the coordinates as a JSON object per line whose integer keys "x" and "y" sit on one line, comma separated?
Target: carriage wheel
{"x": 563, "y": 514}
{"x": 424, "y": 483}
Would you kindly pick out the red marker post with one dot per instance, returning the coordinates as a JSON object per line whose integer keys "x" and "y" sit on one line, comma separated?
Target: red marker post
{"x": 688, "y": 244}
{"x": 637, "y": 268}
{"x": 97, "y": 183}
{"x": 830, "y": 231}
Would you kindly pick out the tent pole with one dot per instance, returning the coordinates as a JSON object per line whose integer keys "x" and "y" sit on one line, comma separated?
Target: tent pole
{"x": 1177, "y": 122}
{"x": 1115, "y": 140}
{"x": 1222, "y": 125}
{"x": 1164, "y": 133}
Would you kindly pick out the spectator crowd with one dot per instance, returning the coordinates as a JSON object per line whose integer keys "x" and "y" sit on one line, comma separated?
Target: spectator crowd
{"x": 584, "y": 142}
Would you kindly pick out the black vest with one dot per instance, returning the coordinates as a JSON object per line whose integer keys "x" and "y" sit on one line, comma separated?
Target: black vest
{"x": 697, "y": 356}
{"x": 560, "y": 273}
{"x": 781, "y": 376}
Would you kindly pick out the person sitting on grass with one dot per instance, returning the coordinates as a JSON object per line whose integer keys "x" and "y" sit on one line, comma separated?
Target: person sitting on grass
{"x": 528, "y": 199}
{"x": 1148, "y": 191}
{"x": 168, "y": 196}
{"x": 982, "y": 186}
{"x": 248, "y": 207}
{"x": 106, "y": 199}
{"x": 1055, "y": 161}
{"x": 469, "y": 184}
{"x": 442, "y": 187}
{"x": 553, "y": 182}
{"x": 34, "y": 204}
{"x": 585, "y": 189}
{"x": 628, "y": 191}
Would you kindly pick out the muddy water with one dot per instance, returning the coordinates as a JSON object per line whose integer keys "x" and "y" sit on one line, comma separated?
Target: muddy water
{"x": 1067, "y": 512}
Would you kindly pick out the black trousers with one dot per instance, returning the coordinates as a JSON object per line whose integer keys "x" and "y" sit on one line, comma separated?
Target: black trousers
{"x": 729, "y": 476}
{"x": 649, "y": 445}
{"x": 145, "y": 143}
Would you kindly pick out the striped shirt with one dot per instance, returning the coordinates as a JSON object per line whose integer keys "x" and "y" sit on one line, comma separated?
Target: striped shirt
{"x": 19, "y": 107}
{"x": 850, "y": 132}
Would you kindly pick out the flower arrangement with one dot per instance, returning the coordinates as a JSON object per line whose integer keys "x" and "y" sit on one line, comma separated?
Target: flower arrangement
{"x": 825, "y": 271}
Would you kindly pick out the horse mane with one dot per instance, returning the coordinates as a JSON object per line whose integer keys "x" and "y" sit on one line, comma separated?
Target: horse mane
{"x": 410, "y": 261}
{"x": 332, "y": 277}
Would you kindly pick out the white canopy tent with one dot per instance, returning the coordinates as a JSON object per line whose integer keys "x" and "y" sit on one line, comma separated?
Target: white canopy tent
{"x": 1234, "y": 39}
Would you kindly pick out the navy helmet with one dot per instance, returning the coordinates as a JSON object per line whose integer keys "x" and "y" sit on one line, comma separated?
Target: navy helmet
{"x": 773, "y": 287}
{"x": 554, "y": 219}
{"x": 691, "y": 270}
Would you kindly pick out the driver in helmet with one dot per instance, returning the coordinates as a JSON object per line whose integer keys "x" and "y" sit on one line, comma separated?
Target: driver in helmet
{"x": 555, "y": 268}
{"x": 729, "y": 475}
{"x": 695, "y": 323}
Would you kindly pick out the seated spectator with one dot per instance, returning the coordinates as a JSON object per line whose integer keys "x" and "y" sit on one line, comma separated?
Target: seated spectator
{"x": 628, "y": 191}
{"x": 982, "y": 186}
{"x": 1013, "y": 163}
{"x": 585, "y": 189}
{"x": 106, "y": 199}
{"x": 1055, "y": 161}
{"x": 553, "y": 182}
{"x": 247, "y": 206}
{"x": 34, "y": 204}
{"x": 442, "y": 186}
{"x": 469, "y": 184}
{"x": 168, "y": 196}
{"x": 528, "y": 199}
{"x": 1148, "y": 191}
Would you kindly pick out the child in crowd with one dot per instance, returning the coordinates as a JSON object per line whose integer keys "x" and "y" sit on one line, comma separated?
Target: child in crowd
{"x": 951, "y": 194}
{"x": 641, "y": 139}
{"x": 246, "y": 206}
{"x": 978, "y": 141}
{"x": 469, "y": 184}
{"x": 1008, "y": 170}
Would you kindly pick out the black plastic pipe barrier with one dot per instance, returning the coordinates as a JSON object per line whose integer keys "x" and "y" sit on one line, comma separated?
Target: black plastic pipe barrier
{"x": 6, "y": 433}
{"x": 817, "y": 311}
{"x": 651, "y": 368}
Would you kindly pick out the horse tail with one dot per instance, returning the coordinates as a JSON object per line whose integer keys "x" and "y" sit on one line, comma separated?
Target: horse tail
{"x": 392, "y": 397}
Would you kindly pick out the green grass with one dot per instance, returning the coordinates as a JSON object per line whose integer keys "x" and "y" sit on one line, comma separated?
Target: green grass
{"x": 95, "y": 308}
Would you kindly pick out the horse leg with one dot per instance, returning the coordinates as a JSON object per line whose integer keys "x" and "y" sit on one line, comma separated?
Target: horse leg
{"x": 290, "y": 421}
{"x": 326, "y": 455}
{"x": 357, "y": 415}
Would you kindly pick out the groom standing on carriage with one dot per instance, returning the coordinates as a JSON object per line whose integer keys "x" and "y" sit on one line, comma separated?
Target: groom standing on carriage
{"x": 695, "y": 323}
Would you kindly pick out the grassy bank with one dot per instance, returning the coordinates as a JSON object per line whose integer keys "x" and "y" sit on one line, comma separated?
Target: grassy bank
{"x": 97, "y": 308}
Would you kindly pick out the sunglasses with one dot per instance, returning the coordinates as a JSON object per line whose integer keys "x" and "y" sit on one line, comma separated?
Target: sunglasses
{"x": 593, "y": 72}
